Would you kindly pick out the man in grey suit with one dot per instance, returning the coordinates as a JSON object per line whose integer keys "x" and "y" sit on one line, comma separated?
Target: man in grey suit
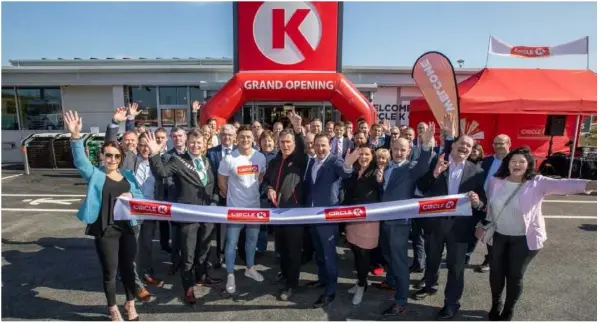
{"x": 399, "y": 182}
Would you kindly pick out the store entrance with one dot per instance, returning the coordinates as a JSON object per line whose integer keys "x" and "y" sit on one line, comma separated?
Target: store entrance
{"x": 270, "y": 112}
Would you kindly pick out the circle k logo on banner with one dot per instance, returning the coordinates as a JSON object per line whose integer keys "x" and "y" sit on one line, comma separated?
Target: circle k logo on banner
{"x": 345, "y": 213}
{"x": 150, "y": 208}
{"x": 437, "y": 206}
{"x": 239, "y": 215}
{"x": 287, "y": 32}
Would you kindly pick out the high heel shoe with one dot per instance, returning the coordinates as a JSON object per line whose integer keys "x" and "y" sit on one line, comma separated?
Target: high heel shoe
{"x": 130, "y": 311}
{"x": 115, "y": 314}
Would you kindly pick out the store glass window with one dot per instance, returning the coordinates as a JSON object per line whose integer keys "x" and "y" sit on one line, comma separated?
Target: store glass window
{"x": 10, "y": 121}
{"x": 145, "y": 97}
{"x": 173, "y": 95}
{"x": 195, "y": 94}
{"x": 41, "y": 108}
{"x": 210, "y": 94}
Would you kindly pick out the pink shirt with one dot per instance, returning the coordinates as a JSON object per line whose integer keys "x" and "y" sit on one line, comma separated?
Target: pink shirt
{"x": 531, "y": 197}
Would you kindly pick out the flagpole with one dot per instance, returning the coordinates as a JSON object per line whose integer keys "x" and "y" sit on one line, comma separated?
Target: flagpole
{"x": 588, "y": 54}
{"x": 489, "y": 48}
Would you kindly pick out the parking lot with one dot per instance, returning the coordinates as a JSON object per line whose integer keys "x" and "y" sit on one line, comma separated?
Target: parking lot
{"x": 50, "y": 269}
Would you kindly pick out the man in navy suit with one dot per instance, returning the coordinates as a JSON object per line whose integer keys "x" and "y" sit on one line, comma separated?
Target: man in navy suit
{"x": 322, "y": 184}
{"x": 490, "y": 165}
{"x": 339, "y": 143}
{"x": 214, "y": 156}
{"x": 399, "y": 182}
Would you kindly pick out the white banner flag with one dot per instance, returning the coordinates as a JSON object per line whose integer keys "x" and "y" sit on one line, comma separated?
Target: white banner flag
{"x": 451, "y": 205}
{"x": 577, "y": 47}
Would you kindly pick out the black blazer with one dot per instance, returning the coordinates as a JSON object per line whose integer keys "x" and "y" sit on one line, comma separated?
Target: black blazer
{"x": 487, "y": 163}
{"x": 472, "y": 180}
{"x": 362, "y": 190}
{"x": 189, "y": 187}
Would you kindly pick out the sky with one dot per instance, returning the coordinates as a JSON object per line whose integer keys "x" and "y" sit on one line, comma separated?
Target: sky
{"x": 374, "y": 34}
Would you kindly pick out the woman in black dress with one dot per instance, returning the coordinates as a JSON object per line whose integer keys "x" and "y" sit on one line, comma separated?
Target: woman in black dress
{"x": 115, "y": 240}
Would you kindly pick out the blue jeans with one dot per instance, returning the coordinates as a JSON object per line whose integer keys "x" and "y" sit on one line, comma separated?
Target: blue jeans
{"x": 263, "y": 239}
{"x": 394, "y": 244}
{"x": 251, "y": 240}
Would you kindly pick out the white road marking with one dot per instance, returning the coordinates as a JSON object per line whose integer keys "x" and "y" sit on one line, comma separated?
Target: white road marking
{"x": 51, "y": 201}
{"x": 571, "y": 201}
{"x": 37, "y": 210}
{"x": 11, "y": 176}
{"x": 570, "y": 217}
{"x": 43, "y": 195}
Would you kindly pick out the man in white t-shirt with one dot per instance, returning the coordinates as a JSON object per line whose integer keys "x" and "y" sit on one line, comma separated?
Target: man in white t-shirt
{"x": 240, "y": 175}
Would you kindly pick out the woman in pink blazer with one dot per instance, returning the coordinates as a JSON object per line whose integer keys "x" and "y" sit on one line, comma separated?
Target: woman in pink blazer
{"x": 519, "y": 224}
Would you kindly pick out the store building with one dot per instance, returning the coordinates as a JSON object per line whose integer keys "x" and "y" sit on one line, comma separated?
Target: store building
{"x": 35, "y": 93}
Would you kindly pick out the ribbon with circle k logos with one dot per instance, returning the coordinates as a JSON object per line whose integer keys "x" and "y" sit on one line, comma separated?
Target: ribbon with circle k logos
{"x": 451, "y": 205}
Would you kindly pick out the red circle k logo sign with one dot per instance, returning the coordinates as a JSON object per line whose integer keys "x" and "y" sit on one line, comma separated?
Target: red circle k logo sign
{"x": 287, "y": 32}
{"x": 287, "y": 36}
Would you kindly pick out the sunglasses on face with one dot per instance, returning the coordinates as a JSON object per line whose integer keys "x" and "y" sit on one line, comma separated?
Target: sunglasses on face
{"x": 395, "y": 133}
{"x": 115, "y": 156}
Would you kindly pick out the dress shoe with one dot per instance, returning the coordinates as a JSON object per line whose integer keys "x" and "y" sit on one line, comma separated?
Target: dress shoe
{"x": 447, "y": 313}
{"x": 420, "y": 284}
{"x": 219, "y": 262}
{"x": 209, "y": 282}
{"x": 315, "y": 284}
{"x": 495, "y": 312}
{"x": 424, "y": 293}
{"x": 506, "y": 315}
{"x": 190, "y": 297}
{"x": 385, "y": 286}
{"x": 173, "y": 270}
{"x": 286, "y": 294}
{"x": 394, "y": 310}
{"x": 151, "y": 280}
{"x": 143, "y": 295}
{"x": 416, "y": 270}
{"x": 483, "y": 268}
{"x": 167, "y": 250}
{"x": 324, "y": 301}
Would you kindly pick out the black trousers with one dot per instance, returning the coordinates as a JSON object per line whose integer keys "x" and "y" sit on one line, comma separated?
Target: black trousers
{"x": 362, "y": 263}
{"x": 117, "y": 249}
{"x": 289, "y": 241}
{"x": 308, "y": 246}
{"x": 509, "y": 259}
{"x": 176, "y": 244}
{"x": 195, "y": 248}
{"x": 456, "y": 254}
{"x": 165, "y": 234}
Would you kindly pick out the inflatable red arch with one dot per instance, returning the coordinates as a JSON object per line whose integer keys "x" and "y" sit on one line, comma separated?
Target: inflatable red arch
{"x": 275, "y": 86}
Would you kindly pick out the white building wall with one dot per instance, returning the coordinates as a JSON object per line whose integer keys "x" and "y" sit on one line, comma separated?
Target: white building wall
{"x": 95, "y": 104}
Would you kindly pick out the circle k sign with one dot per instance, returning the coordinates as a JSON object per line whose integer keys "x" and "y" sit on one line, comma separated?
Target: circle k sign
{"x": 287, "y": 36}
{"x": 287, "y": 32}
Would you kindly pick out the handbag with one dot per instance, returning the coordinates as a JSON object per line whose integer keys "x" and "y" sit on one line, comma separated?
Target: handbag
{"x": 485, "y": 233}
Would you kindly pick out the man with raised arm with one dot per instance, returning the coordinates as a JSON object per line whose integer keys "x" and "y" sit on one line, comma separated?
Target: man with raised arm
{"x": 283, "y": 183}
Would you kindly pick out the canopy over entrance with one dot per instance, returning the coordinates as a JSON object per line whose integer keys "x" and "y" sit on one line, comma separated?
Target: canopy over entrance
{"x": 269, "y": 86}
{"x": 525, "y": 91}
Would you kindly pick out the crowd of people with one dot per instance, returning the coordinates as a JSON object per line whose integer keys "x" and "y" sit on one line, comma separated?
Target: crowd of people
{"x": 298, "y": 163}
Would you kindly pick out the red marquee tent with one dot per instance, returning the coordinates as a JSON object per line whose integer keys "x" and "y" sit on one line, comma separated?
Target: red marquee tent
{"x": 516, "y": 102}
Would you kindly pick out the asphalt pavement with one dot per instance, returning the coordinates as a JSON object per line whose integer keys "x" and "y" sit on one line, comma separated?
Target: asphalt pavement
{"x": 50, "y": 269}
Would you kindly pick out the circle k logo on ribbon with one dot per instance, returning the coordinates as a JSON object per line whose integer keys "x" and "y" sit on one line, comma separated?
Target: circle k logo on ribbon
{"x": 241, "y": 215}
{"x": 437, "y": 206}
{"x": 149, "y": 208}
{"x": 287, "y": 32}
{"x": 345, "y": 213}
